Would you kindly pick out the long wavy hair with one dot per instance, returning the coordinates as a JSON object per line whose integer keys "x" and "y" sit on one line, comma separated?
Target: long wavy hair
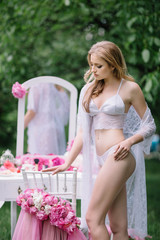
{"x": 112, "y": 54}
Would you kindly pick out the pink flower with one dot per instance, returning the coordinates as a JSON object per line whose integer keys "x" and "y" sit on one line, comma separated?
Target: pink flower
{"x": 25, "y": 206}
{"x": 41, "y": 215}
{"x": 45, "y": 161}
{"x": 19, "y": 200}
{"x": 40, "y": 166}
{"x": 27, "y": 193}
{"x": 30, "y": 201}
{"x": 27, "y": 159}
{"x": 49, "y": 200}
{"x": 45, "y": 206}
{"x": 57, "y": 161}
{"x": 8, "y": 164}
{"x": 55, "y": 200}
{"x": 70, "y": 168}
{"x": 18, "y": 91}
{"x": 33, "y": 210}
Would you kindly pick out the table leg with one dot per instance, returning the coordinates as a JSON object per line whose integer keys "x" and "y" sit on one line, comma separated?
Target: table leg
{"x": 1, "y": 203}
{"x": 13, "y": 216}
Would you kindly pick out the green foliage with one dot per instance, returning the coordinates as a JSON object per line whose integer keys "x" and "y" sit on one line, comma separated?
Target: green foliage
{"x": 153, "y": 193}
{"x": 48, "y": 37}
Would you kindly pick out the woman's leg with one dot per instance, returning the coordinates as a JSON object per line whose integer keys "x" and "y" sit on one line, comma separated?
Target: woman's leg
{"x": 118, "y": 216}
{"x": 109, "y": 189}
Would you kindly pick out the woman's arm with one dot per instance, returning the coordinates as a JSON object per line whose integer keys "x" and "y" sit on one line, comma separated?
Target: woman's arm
{"x": 138, "y": 102}
{"x": 75, "y": 150}
{"x": 28, "y": 117}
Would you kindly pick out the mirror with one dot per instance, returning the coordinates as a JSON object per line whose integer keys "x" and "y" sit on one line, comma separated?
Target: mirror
{"x": 46, "y": 119}
{"x": 72, "y": 96}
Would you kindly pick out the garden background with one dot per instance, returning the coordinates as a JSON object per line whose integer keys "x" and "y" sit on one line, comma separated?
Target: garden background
{"x": 52, "y": 38}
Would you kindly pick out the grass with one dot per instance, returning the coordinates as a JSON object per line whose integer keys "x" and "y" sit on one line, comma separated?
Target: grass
{"x": 153, "y": 195}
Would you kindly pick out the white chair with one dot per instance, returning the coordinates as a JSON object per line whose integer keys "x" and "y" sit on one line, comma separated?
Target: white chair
{"x": 21, "y": 108}
{"x": 20, "y": 121}
{"x": 63, "y": 184}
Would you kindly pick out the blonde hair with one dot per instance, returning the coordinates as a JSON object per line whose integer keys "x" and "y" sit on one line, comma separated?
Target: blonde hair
{"x": 112, "y": 54}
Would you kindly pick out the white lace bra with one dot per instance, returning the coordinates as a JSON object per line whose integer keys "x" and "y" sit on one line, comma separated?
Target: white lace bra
{"x": 111, "y": 115}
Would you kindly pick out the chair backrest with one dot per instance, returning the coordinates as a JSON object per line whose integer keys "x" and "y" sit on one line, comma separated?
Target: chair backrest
{"x": 21, "y": 108}
{"x": 63, "y": 184}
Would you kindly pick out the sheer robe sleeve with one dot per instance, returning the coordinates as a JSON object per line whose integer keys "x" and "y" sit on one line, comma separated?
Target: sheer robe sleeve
{"x": 145, "y": 127}
{"x": 136, "y": 184}
{"x": 84, "y": 121}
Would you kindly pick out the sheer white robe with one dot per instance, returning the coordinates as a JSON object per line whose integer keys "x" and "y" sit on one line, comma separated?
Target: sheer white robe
{"x": 136, "y": 184}
{"x": 46, "y": 133}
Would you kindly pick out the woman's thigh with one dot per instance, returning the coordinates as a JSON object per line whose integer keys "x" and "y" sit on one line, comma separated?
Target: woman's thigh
{"x": 109, "y": 183}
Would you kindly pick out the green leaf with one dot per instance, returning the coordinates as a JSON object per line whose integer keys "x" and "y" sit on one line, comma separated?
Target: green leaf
{"x": 157, "y": 41}
{"x": 131, "y": 22}
{"x": 149, "y": 97}
{"x": 148, "y": 86}
{"x": 131, "y": 38}
{"x": 146, "y": 55}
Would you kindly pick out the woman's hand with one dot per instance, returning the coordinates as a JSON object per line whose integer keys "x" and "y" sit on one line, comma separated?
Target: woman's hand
{"x": 122, "y": 150}
{"x": 56, "y": 169}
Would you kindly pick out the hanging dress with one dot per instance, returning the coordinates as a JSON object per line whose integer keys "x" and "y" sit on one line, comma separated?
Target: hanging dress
{"x": 46, "y": 133}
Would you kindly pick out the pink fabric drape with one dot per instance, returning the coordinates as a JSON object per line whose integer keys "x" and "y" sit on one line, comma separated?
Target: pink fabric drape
{"x": 30, "y": 228}
{"x": 77, "y": 235}
{"x": 51, "y": 232}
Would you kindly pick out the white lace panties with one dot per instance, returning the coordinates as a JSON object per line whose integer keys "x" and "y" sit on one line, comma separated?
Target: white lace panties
{"x": 102, "y": 158}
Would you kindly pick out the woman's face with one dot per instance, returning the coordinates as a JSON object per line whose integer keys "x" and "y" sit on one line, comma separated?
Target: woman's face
{"x": 100, "y": 68}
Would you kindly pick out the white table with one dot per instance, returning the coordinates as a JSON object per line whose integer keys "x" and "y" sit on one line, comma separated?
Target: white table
{"x": 9, "y": 186}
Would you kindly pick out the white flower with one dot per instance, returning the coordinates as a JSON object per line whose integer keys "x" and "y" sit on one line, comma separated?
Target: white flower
{"x": 37, "y": 199}
{"x": 47, "y": 209}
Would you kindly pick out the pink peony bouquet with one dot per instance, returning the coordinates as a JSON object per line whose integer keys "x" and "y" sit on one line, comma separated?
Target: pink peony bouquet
{"x": 46, "y": 206}
{"x": 18, "y": 91}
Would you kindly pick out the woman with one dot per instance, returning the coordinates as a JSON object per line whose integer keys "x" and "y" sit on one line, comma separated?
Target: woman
{"x": 46, "y": 117}
{"x": 106, "y": 107}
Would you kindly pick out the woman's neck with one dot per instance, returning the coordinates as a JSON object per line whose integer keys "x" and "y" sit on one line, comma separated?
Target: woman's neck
{"x": 112, "y": 81}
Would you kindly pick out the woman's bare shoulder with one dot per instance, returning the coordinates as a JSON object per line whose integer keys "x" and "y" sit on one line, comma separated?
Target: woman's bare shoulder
{"x": 135, "y": 95}
{"x": 132, "y": 86}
